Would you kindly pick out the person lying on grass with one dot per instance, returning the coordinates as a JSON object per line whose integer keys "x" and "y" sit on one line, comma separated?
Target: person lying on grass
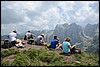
{"x": 19, "y": 43}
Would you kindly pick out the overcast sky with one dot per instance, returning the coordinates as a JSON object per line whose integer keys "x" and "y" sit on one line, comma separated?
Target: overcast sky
{"x": 41, "y": 15}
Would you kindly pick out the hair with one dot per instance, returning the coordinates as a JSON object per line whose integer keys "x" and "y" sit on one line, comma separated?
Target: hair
{"x": 28, "y": 31}
{"x": 67, "y": 39}
{"x": 15, "y": 31}
{"x": 42, "y": 35}
{"x": 55, "y": 37}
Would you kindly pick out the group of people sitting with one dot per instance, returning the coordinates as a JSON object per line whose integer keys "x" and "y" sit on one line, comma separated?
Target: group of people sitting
{"x": 14, "y": 41}
{"x": 55, "y": 42}
{"x": 65, "y": 46}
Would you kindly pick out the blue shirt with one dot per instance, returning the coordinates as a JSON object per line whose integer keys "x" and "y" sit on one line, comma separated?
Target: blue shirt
{"x": 53, "y": 44}
{"x": 65, "y": 47}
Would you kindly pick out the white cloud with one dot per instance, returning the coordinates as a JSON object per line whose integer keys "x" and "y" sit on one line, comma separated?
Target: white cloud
{"x": 39, "y": 15}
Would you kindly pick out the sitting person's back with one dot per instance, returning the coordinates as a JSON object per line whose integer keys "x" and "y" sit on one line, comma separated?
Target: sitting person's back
{"x": 28, "y": 35}
{"x": 54, "y": 42}
{"x": 12, "y": 37}
{"x": 65, "y": 47}
{"x": 40, "y": 40}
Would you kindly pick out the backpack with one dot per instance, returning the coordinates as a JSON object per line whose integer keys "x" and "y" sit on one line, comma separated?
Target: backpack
{"x": 30, "y": 41}
{"x": 7, "y": 44}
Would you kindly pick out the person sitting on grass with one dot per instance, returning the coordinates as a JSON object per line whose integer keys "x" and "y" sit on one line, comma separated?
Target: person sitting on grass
{"x": 28, "y": 35}
{"x": 54, "y": 43}
{"x": 12, "y": 37}
{"x": 40, "y": 40}
{"x": 67, "y": 48}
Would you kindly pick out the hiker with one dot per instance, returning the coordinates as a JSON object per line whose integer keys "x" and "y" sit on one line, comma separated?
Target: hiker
{"x": 28, "y": 35}
{"x": 12, "y": 37}
{"x": 40, "y": 40}
{"x": 67, "y": 48}
{"x": 19, "y": 43}
{"x": 54, "y": 43}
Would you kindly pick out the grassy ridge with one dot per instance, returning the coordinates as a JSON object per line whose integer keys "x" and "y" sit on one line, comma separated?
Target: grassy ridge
{"x": 45, "y": 57}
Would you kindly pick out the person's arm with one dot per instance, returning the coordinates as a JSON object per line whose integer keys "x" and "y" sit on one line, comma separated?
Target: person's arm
{"x": 41, "y": 40}
{"x": 71, "y": 46}
{"x": 8, "y": 36}
{"x": 57, "y": 43}
{"x": 59, "y": 46}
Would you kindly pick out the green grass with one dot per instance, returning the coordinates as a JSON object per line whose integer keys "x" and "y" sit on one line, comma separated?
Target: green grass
{"x": 5, "y": 53}
{"x": 21, "y": 60}
{"x": 45, "y": 57}
{"x": 87, "y": 59}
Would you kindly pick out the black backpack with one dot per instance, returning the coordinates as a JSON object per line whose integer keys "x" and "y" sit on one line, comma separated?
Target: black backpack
{"x": 7, "y": 44}
{"x": 30, "y": 41}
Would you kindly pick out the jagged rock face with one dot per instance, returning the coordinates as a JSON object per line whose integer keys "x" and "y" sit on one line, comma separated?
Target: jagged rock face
{"x": 90, "y": 30}
{"x": 95, "y": 44}
{"x": 90, "y": 44}
{"x": 93, "y": 31}
{"x": 65, "y": 30}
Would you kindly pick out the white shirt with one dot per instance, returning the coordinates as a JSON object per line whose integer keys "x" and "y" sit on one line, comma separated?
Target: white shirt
{"x": 28, "y": 34}
{"x": 38, "y": 39}
{"x": 12, "y": 36}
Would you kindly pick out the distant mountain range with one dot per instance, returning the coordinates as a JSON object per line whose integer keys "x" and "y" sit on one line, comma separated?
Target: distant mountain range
{"x": 85, "y": 38}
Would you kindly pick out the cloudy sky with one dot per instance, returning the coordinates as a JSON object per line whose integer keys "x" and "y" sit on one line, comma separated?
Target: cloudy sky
{"x": 45, "y": 15}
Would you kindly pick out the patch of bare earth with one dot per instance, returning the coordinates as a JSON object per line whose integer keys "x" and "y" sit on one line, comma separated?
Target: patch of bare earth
{"x": 9, "y": 58}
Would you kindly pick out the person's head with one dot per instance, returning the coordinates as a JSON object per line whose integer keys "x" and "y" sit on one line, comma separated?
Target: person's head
{"x": 28, "y": 31}
{"x": 15, "y": 31}
{"x": 55, "y": 37}
{"x": 67, "y": 39}
{"x": 42, "y": 35}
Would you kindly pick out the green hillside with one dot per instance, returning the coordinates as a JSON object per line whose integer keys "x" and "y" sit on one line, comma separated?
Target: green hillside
{"x": 46, "y": 57}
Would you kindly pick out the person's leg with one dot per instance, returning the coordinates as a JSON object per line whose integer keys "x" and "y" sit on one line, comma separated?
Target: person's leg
{"x": 79, "y": 50}
{"x": 59, "y": 46}
{"x": 13, "y": 43}
{"x": 72, "y": 50}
